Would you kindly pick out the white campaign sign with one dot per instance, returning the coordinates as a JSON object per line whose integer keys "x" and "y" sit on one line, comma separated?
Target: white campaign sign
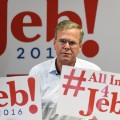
{"x": 20, "y": 98}
{"x": 87, "y": 93}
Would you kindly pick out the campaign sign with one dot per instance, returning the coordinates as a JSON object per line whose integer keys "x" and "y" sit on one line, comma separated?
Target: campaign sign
{"x": 20, "y": 98}
{"x": 86, "y": 93}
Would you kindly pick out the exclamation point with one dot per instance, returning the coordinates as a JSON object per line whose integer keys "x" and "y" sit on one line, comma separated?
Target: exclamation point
{"x": 90, "y": 47}
{"x": 31, "y": 84}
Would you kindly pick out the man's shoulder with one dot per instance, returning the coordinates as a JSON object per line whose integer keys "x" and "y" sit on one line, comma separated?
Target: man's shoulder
{"x": 86, "y": 64}
{"x": 47, "y": 62}
{"x": 42, "y": 66}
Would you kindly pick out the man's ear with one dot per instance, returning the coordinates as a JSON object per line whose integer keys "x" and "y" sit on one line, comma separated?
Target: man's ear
{"x": 54, "y": 43}
{"x": 80, "y": 47}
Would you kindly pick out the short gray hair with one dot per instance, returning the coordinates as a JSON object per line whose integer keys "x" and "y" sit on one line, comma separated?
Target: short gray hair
{"x": 68, "y": 24}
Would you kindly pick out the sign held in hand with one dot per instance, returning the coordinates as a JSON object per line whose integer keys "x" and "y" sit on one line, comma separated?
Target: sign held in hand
{"x": 87, "y": 93}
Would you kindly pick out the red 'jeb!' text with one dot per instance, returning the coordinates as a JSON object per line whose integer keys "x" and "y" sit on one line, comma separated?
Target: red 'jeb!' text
{"x": 14, "y": 92}
{"x": 52, "y": 17}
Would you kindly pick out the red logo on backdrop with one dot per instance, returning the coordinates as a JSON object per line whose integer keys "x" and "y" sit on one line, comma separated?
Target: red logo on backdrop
{"x": 90, "y": 47}
{"x": 13, "y": 95}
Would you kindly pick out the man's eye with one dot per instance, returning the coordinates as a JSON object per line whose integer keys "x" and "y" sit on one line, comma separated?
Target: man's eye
{"x": 72, "y": 43}
{"x": 63, "y": 41}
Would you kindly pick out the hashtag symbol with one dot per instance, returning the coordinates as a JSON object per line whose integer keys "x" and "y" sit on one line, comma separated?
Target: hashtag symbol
{"x": 71, "y": 78}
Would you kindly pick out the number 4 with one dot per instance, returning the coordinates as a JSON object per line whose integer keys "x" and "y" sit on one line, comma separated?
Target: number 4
{"x": 105, "y": 91}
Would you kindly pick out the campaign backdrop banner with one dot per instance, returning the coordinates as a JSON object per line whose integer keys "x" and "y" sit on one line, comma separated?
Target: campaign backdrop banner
{"x": 27, "y": 32}
{"x": 20, "y": 98}
{"x": 86, "y": 93}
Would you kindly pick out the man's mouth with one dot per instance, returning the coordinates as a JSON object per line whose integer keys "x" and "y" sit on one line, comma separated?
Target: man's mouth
{"x": 66, "y": 54}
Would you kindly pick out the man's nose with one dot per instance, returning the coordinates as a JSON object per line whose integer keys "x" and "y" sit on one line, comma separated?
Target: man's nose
{"x": 67, "y": 45}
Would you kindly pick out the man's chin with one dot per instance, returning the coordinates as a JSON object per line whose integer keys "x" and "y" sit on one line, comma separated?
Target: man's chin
{"x": 65, "y": 61}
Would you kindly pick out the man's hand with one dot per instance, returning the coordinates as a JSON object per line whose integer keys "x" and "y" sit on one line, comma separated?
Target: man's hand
{"x": 94, "y": 118}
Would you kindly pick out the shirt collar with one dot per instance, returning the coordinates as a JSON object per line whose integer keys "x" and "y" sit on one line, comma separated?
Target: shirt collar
{"x": 76, "y": 63}
{"x": 53, "y": 67}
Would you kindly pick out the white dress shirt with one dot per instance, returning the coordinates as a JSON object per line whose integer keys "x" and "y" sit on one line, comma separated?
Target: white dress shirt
{"x": 50, "y": 83}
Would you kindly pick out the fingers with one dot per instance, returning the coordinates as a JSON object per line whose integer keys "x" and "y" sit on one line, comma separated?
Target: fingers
{"x": 94, "y": 118}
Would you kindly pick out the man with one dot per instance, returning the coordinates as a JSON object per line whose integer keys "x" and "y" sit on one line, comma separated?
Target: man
{"x": 67, "y": 43}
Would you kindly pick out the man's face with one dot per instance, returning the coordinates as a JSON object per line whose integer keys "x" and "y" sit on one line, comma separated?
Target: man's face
{"x": 67, "y": 46}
